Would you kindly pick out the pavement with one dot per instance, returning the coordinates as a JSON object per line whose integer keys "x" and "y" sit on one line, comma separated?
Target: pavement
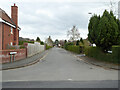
{"x": 99, "y": 63}
{"x": 24, "y": 62}
{"x": 59, "y": 68}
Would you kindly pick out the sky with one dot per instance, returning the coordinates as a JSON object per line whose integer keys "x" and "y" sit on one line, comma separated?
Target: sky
{"x": 44, "y": 18}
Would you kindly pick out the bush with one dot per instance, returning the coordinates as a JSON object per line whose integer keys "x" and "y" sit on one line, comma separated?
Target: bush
{"x": 116, "y": 53}
{"x": 42, "y": 43}
{"x": 12, "y": 47}
{"x": 48, "y": 47}
{"x": 67, "y": 44}
{"x": 22, "y": 42}
{"x": 22, "y": 47}
{"x": 75, "y": 49}
{"x": 97, "y": 53}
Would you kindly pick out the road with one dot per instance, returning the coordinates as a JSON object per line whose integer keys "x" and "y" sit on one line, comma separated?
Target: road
{"x": 59, "y": 68}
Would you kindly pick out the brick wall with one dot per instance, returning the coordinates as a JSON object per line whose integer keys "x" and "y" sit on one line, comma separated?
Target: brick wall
{"x": 0, "y": 36}
{"x": 5, "y": 55}
{"x": 8, "y": 37}
{"x": 14, "y": 16}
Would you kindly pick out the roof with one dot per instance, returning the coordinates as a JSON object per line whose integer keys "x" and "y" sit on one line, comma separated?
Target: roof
{"x": 4, "y": 17}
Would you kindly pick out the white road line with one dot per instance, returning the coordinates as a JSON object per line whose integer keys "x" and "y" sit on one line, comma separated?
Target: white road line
{"x": 69, "y": 79}
{"x": 44, "y": 56}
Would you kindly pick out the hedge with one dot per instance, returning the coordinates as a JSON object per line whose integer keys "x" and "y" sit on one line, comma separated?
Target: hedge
{"x": 22, "y": 42}
{"x": 116, "y": 53}
{"x": 48, "y": 47}
{"x": 75, "y": 49}
{"x": 97, "y": 53}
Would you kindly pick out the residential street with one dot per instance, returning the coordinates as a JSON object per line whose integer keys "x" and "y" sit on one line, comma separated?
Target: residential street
{"x": 59, "y": 65}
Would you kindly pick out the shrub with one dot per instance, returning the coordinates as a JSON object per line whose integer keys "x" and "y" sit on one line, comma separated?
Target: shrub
{"x": 22, "y": 47}
{"x": 116, "y": 53}
{"x": 42, "y": 43}
{"x": 98, "y": 54}
{"x": 12, "y": 47}
{"x": 75, "y": 49}
{"x": 67, "y": 44}
{"x": 22, "y": 42}
{"x": 48, "y": 47}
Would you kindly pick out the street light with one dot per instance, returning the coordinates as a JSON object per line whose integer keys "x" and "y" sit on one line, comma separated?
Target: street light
{"x": 89, "y": 13}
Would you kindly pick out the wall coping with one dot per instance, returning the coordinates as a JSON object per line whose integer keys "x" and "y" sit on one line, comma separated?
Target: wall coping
{"x": 12, "y": 49}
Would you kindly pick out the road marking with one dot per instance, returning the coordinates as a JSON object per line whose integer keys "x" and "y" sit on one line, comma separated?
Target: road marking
{"x": 43, "y": 56}
{"x": 69, "y": 79}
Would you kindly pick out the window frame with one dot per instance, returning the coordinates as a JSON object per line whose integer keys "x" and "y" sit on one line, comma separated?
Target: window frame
{"x": 11, "y": 30}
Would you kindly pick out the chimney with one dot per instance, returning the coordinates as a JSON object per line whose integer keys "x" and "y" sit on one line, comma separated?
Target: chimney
{"x": 14, "y": 14}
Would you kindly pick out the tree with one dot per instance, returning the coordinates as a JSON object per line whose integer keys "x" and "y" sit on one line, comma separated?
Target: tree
{"x": 92, "y": 27}
{"x": 73, "y": 34}
{"x": 65, "y": 41}
{"x": 56, "y": 42}
{"x": 38, "y": 39}
{"x": 108, "y": 31}
{"x": 81, "y": 40}
{"x": 103, "y": 31}
{"x": 77, "y": 42}
{"x": 42, "y": 43}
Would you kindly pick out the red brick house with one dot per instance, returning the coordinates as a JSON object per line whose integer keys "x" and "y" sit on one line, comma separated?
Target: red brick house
{"x": 9, "y": 29}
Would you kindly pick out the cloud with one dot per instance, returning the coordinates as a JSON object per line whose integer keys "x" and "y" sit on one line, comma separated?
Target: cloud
{"x": 45, "y": 12}
{"x": 41, "y": 18}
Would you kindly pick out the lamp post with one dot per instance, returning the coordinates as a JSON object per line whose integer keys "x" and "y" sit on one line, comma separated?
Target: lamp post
{"x": 90, "y": 14}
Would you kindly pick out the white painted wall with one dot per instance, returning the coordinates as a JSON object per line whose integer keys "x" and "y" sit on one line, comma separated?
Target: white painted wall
{"x": 35, "y": 48}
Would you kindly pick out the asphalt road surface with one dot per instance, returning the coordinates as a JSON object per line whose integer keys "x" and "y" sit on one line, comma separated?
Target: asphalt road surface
{"x": 60, "y": 69}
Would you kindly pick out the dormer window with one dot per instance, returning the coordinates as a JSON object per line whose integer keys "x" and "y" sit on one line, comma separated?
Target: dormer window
{"x": 11, "y": 30}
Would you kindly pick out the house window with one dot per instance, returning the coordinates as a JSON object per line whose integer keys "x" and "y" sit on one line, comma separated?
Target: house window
{"x": 11, "y": 43}
{"x": 11, "y": 30}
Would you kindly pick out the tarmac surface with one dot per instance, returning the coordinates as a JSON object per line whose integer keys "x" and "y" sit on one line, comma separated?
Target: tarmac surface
{"x": 59, "y": 68}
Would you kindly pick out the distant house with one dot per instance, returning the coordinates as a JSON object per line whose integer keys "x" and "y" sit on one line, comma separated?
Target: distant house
{"x": 62, "y": 42}
{"x": 9, "y": 29}
{"x": 25, "y": 39}
{"x": 49, "y": 41}
{"x": 87, "y": 42}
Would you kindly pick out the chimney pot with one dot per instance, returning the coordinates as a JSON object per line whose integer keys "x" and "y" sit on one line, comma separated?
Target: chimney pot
{"x": 14, "y": 4}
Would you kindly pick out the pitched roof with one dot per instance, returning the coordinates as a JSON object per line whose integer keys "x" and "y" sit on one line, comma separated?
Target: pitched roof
{"x": 5, "y": 17}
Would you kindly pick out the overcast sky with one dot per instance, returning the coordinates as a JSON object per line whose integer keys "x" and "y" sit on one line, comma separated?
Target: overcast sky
{"x": 44, "y": 18}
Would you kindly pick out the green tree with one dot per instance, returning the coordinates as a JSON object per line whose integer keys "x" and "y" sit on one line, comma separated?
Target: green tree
{"x": 65, "y": 41}
{"x": 81, "y": 40}
{"x": 103, "y": 31}
{"x": 38, "y": 39}
{"x": 92, "y": 27}
{"x": 77, "y": 42}
{"x": 118, "y": 40}
{"x": 42, "y": 43}
{"x": 56, "y": 42}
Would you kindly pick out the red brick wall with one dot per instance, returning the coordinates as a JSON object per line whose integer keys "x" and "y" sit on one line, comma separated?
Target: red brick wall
{"x": 14, "y": 15}
{"x": 8, "y": 37}
{"x": 16, "y": 37}
{"x": 5, "y": 55}
{"x": 0, "y": 36}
